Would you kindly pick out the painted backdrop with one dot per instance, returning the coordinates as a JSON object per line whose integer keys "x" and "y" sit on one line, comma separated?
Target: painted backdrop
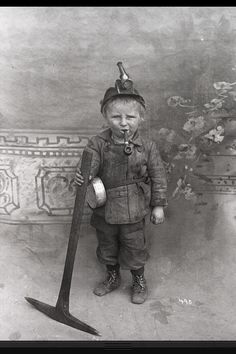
{"x": 56, "y": 64}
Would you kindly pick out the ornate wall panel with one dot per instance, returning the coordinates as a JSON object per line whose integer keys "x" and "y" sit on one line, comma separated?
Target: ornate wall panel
{"x": 9, "y": 190}
{"x": 220, "y": 170}
{"x": 36, "y": 175}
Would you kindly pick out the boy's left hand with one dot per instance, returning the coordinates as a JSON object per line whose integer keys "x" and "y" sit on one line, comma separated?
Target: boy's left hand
{"x": 157, "y": 215}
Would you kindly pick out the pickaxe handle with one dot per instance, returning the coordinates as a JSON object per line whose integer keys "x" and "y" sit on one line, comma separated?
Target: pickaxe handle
{"x": 64, "y": 293}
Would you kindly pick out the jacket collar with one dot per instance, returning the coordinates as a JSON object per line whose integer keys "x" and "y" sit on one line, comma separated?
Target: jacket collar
{"x": 106, "y": 135}
{"x": 136, "y": 140}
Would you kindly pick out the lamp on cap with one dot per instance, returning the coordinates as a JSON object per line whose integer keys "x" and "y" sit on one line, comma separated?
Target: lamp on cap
{"x": 123, "y": 87}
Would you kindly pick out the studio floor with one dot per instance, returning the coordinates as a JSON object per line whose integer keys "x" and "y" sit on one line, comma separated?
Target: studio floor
{"x": 191, "y": 283}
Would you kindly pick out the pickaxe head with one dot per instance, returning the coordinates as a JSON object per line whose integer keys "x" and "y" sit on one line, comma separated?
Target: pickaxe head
{"x": 62, "y": 315}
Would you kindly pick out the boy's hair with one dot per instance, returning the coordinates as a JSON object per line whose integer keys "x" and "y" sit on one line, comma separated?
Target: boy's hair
{"x": 125, "y": 99}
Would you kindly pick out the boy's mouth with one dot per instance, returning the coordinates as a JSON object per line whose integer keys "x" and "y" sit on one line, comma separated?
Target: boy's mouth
{"x": 127, "y": 131}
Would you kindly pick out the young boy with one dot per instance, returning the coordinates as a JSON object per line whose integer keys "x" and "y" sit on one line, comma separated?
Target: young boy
{"x": 135, "y": 182}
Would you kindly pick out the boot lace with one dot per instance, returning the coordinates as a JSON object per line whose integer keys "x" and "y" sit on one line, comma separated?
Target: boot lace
{"x": 111, "y": 278}
{"x": 139, "y": 283}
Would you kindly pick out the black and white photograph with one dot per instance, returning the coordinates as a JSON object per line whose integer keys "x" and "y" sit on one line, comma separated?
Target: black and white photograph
{"x": 117, "y": 175}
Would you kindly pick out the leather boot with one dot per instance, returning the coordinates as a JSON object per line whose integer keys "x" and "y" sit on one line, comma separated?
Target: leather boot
{"x": 111, "y": 283}
{"x": 139, "y": 291}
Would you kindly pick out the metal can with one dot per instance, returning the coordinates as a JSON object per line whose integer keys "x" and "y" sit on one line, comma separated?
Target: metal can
{"x": 96, "y": 193}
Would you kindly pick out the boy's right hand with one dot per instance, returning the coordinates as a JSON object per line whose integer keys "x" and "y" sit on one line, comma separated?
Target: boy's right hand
{"x": 79, "y": 179}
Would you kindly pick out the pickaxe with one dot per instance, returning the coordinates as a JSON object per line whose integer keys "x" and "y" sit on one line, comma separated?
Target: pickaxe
{"x": 60, "y": 312}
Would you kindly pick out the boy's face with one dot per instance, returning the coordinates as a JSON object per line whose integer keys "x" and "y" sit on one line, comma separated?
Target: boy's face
{"x": 122, "y": 115}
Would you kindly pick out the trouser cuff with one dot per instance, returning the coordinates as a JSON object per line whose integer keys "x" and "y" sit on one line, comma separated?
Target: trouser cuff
{"x": 139, "y": 271}
{"x": 113, "y": 267}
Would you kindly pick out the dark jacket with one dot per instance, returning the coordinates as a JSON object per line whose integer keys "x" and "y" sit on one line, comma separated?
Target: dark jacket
{"x": 133, "y": 183}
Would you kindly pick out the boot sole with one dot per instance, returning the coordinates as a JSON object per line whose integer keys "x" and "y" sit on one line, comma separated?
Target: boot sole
{"x": 139, "y": 302}
{"x": 106, "y": 291}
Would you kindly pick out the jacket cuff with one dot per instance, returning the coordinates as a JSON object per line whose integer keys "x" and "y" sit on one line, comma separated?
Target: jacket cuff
{"x": 159, "y": 202}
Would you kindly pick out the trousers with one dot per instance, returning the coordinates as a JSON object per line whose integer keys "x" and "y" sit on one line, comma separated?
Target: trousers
{"x": 121, "y": 243}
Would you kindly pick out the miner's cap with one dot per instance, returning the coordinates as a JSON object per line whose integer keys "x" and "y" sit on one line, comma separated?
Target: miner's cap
{"x": 112, "y": 93}
{"x": 123, "y": 88}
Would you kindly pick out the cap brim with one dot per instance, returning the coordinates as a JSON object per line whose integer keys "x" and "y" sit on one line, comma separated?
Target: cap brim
{"x": 136, "y": 97}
